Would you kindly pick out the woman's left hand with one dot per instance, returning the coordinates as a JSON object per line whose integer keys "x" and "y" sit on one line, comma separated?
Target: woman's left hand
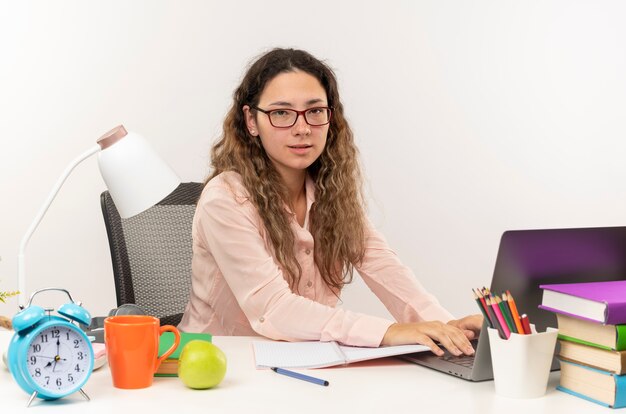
{"x": 470, "y": 325}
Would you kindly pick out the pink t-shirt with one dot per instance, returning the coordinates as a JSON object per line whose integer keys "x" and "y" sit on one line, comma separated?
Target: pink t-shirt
{"x": 239, "y": 289}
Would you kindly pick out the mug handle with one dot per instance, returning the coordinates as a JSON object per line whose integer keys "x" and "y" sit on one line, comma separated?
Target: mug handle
{"x": 174, "y": 330}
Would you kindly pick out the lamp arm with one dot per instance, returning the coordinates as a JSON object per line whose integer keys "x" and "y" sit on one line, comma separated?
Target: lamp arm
{"x": 21, "y": 275}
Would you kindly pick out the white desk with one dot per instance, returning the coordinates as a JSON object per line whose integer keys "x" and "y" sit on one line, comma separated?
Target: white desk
{"x": 383, "y": 386}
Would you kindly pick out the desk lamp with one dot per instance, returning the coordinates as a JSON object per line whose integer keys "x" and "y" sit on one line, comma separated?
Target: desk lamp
{"x": 136, "y": 177}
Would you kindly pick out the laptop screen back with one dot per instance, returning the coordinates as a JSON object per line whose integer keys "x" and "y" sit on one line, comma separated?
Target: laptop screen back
{"x": 529, "y": 258}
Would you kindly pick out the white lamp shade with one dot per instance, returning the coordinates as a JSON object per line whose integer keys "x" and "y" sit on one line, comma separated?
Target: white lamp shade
{"x": 137, "y": 178}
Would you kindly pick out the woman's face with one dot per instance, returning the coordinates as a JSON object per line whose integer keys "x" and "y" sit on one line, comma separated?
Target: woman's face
{"x": 292, "y": 149}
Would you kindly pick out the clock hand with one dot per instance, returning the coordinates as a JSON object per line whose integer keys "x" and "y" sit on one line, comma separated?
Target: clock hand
{"x": 55, "y": 358}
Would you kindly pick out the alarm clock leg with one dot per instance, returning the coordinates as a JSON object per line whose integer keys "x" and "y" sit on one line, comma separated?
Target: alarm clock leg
{"x": 84, "y": 394}
{"x": 32, "y": 397}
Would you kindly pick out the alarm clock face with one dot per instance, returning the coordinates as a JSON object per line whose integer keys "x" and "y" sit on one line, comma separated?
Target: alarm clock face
{"x": 59, "y": 359}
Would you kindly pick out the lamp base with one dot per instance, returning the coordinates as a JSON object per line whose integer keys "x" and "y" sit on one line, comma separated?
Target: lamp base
{"x": 5, "y": 323}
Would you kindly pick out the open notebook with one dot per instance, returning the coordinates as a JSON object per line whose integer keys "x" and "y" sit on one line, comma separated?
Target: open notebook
{"x": 304, "y": 355}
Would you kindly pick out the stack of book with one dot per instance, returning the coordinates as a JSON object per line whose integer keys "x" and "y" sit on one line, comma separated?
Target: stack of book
{"x": 592, "y": 336}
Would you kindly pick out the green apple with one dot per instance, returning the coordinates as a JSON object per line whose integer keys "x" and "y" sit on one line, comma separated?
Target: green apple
{"x": 201, "y": 365}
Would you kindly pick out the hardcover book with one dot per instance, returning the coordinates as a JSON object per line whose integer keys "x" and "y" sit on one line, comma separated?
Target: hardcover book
{"x": 603, "y": 302}
{"x": 169, "y": 367}
{"x": 611, "y": 337}
{"x": 612, "y": 361}
{"x": 592, "y": 384}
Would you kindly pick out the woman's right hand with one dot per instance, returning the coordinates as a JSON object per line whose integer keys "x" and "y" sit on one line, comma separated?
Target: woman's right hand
{"x": 428, "y": 333}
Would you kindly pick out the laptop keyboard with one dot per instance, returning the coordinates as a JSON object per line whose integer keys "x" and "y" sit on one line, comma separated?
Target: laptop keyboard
{"x": 463, "y": 360}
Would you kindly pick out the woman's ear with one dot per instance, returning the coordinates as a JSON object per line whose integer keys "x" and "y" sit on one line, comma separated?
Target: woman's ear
{"x": 250, "y": 121}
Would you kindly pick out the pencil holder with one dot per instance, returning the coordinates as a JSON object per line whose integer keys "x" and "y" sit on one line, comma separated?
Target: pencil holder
{"x": 521, "y": 364}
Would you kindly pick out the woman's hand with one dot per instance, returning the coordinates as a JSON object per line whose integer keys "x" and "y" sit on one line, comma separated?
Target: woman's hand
{"x": 453, "y": 338}
{"x": 470, "y": 325}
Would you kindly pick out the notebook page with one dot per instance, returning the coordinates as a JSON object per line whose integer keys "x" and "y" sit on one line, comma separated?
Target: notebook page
{"x": 269, "y": 354}
{"x": 355, "y": 354}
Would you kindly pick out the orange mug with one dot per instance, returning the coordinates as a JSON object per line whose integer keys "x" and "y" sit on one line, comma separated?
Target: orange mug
{"x": 132, "y": 344}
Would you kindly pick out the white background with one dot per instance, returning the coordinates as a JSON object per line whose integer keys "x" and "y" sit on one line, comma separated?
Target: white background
{"x": 472, "y": 117}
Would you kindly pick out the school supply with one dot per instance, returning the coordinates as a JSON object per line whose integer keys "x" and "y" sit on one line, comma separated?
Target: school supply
{"x": 525, "y": 324}
{"x": 521, "y": 363}
{"x": 521, "y": 358}
{"x": 612, "y": 361}
{"x": 484, "y": 309}
{"x": 594, "y": 385}
{"x": 611, "y": 337}
{"x": 501, "y": 314}
{"x": 303, "y": 355}
{"x": 169, "y": 367}
{"x": 508, "y": 297}
{"x": 603, "y": 302}
{"x": 527, "y": 259}
{"x": 590, "y": 369}
{"x": 299, "y": 376}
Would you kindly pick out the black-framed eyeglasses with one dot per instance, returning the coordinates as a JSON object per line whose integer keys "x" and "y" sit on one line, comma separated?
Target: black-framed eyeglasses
{"x": 286, "y": 118}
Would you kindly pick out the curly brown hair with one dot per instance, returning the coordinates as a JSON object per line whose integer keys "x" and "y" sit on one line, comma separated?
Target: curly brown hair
{"x": 337, "y": 219}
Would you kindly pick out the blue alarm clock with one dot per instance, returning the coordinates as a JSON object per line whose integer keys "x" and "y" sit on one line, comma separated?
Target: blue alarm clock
{"x": 49, "y": 356}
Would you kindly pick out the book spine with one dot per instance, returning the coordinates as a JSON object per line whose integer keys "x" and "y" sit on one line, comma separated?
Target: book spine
{"x": 340, "y": 353}
{"x": 615, "y": 313}
{"x": 620, "y": 342}
{"x": 620, "y": 391}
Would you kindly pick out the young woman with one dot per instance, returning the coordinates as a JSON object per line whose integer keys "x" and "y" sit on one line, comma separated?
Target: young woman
{"x": 280, "y": 226}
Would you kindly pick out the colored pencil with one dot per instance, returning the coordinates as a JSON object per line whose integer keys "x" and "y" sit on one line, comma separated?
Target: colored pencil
{"x": 526, "y": 324}
{"x": 515, "y": 313}
{"x": 483, "y": 307}
{"x": 496, "y": 310}
{"x": 481, "y": 297}
{"x": 506, "y": 314}
{"x": 496, "y": 323}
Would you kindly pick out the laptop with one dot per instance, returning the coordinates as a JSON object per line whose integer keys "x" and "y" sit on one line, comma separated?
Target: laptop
{"x": 527, "y": 259}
